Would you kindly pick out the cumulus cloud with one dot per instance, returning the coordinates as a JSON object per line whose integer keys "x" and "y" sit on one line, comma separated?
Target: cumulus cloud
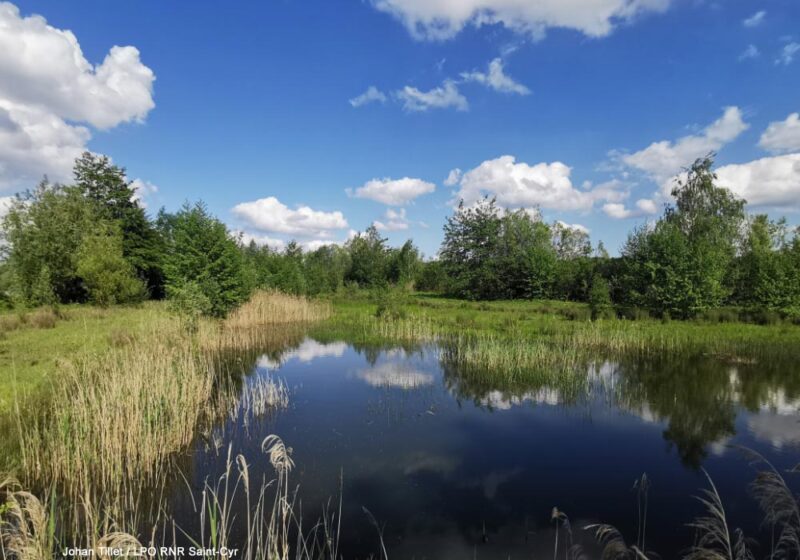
{"x": 443, "y": 19}
{"x": 782, "y": 136}
{"x": 771, "y": 182}
{"x": 395, "y": 374}
{"x": 142, "y": 191}
{"x": 443, "y": 97}
{"x": 5, "y": 205}
{"x": 520, "y": 185}
{"x": 49, "y": 91}
{"x": 453, "y": 177}
{"x": 496, "y": 78}
{"x": 261, "y": 240}
{"x": 392, "y": 192}
{"x": 394, "y": 220}
{"x": 270, "y": 215}
{"x": 577, "y": 227}
{"x": 372, "y": 95}
{"x": 750, "y": 53}
{"x": 755, "y": 20}
{"x": 788, "y": 53}
{"x": 663, "y": 160}
{"x": 643, "y": 207}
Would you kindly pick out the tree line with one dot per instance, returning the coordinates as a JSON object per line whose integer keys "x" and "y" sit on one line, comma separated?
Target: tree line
{"x": 92, "y": 241}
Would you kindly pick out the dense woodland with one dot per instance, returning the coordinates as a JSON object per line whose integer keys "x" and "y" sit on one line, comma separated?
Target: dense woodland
{"x": 92, "y": 241}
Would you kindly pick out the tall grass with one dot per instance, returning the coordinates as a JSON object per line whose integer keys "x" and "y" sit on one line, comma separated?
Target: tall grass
{"x": 269, "y": 529}
{"x": 108, "y": 435}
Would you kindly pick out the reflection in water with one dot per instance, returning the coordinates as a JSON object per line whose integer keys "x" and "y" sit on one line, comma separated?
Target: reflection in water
{"x": 306, "y": 352}
{"x": 395, "y": 374}
{"x": 473, "y": 462}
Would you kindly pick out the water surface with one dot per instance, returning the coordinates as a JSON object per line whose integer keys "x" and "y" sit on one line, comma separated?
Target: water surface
{"x": 451, "y": 470}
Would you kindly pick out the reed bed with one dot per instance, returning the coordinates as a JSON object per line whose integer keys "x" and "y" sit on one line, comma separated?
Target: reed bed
{"x": 107, "y": 437}
{"x": 271, "y": 528}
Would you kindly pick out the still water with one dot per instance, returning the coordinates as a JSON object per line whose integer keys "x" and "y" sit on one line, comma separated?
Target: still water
{"x": 451, "y": 470}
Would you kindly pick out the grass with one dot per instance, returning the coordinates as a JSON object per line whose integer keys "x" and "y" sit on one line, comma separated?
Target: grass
{"x": 34, "y": 344}
{"x": 105, "y": 438}
{"x": 512, "y": 327}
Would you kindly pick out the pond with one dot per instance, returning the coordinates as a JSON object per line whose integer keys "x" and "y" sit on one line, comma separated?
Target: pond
{"x": 455, "y": 469}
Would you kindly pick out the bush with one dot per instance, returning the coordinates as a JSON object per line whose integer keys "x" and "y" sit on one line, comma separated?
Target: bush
{"x": 577, "y": 313}
{"x": 634, "y": 313}
{"x": 190, "y": 303}
{"x": 391, "y": 303}
{"x": 763, "y": 317}
{"x": 719, "y": 315}
{"x": 600, "y": 299}
{"x": 108, "y": 276}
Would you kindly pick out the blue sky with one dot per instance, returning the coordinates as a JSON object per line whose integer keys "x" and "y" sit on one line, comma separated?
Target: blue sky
{"x": 584, "y": 108}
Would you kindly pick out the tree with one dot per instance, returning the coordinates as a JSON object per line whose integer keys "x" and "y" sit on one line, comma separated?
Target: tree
{"x": 403, "y": 265}
{"x": 469, "y": 249}
{"x": 43, "y": 231}
{"x": 202, "y": 251}
{"x": 680, "y": 265}
{"x": 107, "y": 185}
{"x": 108, "y": 277}
{"x": 525, "y": 258}
{"x": 325, "y": 269}
{"x": 368, "y": 258}
{"x": 600, "y": 299}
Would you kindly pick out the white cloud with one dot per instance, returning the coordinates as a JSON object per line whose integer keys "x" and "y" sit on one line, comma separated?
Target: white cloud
{"x": 5, "y": 205}
{"x": 442, "y": 97}
{"x": 443, "y": 19}
{"x": 47, "y": 88}
{"x": 142, "y": 190}
{"x": 496, "y": 79}
{"x": 372, "y": 95}
{"x": 782, "y": 136}
{"x": 395, "y": 374}
{"x": 663, "y": 160}
{"x": 261, "y": 240}
{"x": 644, "y": 207}
{"x": 519, "y": 185}
{"x": 577, "y": 227}
{"x": 755, "y": 20}
{"x": 771, "y": 181}
{"x": 270, "y": 215}
{"x": 750, "y": 53}
{"x": 453, "y": 177}
{"x": 395, "y": 220}
{"x": 34, "y": 142}
{"x": 393, "y": 192}
{"x": 788, "y": 53}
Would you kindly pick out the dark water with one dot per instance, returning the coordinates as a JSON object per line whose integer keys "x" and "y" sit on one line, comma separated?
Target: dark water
{"x": 454, "y": 470}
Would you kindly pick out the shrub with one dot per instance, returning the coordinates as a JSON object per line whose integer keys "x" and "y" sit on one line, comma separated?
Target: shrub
{"x": 107, "y": 275}
{"x": 634, "y": 313}
{"x": 600, "y": 299}
{"x": 190, "y": 303}
{"x": 391, "y": 303}
{"x": 577, "y": 313}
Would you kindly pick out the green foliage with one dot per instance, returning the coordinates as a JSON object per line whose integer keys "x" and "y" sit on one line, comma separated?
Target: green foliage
{"x": 368, "y": 258}
{"x": 201, "y": 250}
{"x": 680, "y": 266}
{"x": 107, "y": 186}
{"x": 41, "y": 292}
{"x": 600, "y": 299}
{"x": 109, "y": 278}
{"x": 391, "y": 302}
{"x": 45, "y": 228}
{"x": 403, "y": 265}
{"x": 469, "y": 251}
{"x": 431, "y": 277}
{"x": 189, "y": 302}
